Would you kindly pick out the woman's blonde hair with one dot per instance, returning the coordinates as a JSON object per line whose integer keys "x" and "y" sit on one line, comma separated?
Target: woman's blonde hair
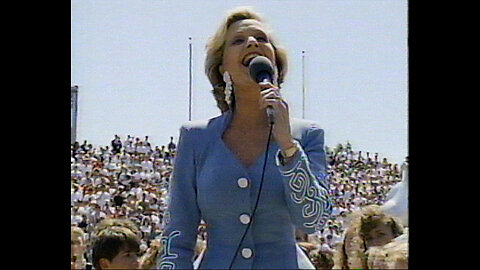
{"x": 76, "y": 232}
{"x": 215, "y": 47}
{"x": 359, "y": 224}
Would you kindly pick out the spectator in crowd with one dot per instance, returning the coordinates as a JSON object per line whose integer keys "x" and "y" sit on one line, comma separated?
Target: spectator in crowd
{"x": 367, "y": 227}
{"x": 78, "y": 248}
{"x": 116, "y": 244}
{"x": 75, "y": 148}
{"x": 322, "y": 255}
{"x": 84, "y": 146}
{"x": 393, "y": 255}
{"x": 171, "y": 146}
{"x": 129, "y": 146}
{"x": 116, "y": 145}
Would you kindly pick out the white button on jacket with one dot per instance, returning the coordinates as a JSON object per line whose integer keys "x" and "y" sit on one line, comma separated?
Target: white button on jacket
{"x": 246, "y": 253}
{"x": 242, "y": 182}
{"x": 244, "y": 218}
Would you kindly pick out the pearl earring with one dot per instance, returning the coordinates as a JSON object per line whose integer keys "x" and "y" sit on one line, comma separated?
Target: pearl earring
{"x": 228, "y": 87}
{"x": 275, "y": 76}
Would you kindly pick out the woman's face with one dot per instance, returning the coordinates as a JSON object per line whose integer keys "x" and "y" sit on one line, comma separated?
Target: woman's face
{"x": 379, "y": 236}
{"x": 77, "y": 251}
{"x": 245, "y": 39}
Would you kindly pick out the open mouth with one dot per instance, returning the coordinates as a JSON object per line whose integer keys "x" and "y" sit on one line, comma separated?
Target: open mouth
{"x": 249, "y": 57}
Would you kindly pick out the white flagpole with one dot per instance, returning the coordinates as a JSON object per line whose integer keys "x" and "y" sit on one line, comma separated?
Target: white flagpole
{"x": 190, "y": 82}
{"x": 303, "y": 84}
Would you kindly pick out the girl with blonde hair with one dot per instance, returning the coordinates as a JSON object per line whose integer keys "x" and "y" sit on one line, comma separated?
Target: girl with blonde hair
{"x": 371, "y": 234}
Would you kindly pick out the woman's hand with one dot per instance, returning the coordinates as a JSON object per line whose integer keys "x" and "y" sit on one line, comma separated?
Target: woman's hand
{"x": 281, "y": 129}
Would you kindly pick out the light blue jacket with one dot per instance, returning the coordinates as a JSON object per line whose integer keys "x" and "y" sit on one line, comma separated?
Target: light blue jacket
{"x": 209, "y": 183}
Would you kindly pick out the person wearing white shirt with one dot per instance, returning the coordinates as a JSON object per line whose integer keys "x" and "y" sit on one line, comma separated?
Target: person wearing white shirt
{"x": 335, "y": 211}
{"x": 96, "y": 181}
{"x": 142, "y": 176}
{"x": 140, "y": 148}
{"x": 148, "y": 148}
{"x": 77, "y": 195}
{"x": 81, "y": 165}
{"x": 84, "y": 181}
{"x": 103, "y": 197}
{"x": 327, "y": 230}
{"x": 157, "y": 176}
{"x": 150, "y": 176}
{"x": 147, "y": 164}
{"x": 325, "y": 248}
{"x": 115, "y": 158}
{"x": 125, "y": 158}
{"x": 129, "y": 147}
{"x": 128, "y": 140}
{"x": 125, "y": 179}
{"x": 145, "y": 226}
{"x": 328, "y": 240}
{"x": 340, "y": 211}
{"x": 138, "y": 192}
{"x": 335, "y": 239}
{"x": 86, "y": 198}
{"x": 86, "y": 167}
{"x": 135, "y": 161}
{"x": 348, "y": 193}
{"x": 356, "y": 201}
{"x": 341, "y": 217}
{"x": 111, "y": 165}
{"x": 106, "y": 154}
{"x": 91, "y": 214}
{"x": 135, "y": 176}
{"x": 76, "y": 172}
{"x": 113, "y": 172}
{"x": 151, "y": 197}
{"x": 104, "y": 172}
{"x": 155, "y": 219}
{"x": 76, "y": 219}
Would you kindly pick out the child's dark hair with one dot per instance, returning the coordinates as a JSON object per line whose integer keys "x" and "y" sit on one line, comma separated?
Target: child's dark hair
{"x": 111, "y": 237}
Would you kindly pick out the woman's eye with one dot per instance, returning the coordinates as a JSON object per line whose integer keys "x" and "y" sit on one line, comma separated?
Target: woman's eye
{"x": 237, "y": 41}
{"x": 262, "y": 39}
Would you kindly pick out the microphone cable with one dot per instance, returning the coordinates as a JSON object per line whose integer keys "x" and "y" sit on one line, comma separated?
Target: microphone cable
{"x": 258, "y": 197}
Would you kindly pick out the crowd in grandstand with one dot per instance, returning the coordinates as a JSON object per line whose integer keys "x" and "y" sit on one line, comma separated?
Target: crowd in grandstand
{"x": 129, "y": 180}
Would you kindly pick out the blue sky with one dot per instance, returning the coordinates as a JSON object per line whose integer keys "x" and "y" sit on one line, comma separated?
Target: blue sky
{"x": 130, "y": 60}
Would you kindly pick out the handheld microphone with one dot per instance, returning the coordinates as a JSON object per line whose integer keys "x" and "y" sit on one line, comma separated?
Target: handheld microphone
{"x": 261, "y": 70}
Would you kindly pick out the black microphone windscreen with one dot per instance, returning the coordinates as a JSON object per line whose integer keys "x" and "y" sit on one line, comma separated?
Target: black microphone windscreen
{"x": 261, "y": 68}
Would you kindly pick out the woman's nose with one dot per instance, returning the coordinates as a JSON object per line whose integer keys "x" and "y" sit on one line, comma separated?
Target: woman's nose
{"x": 252, "y": 41}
